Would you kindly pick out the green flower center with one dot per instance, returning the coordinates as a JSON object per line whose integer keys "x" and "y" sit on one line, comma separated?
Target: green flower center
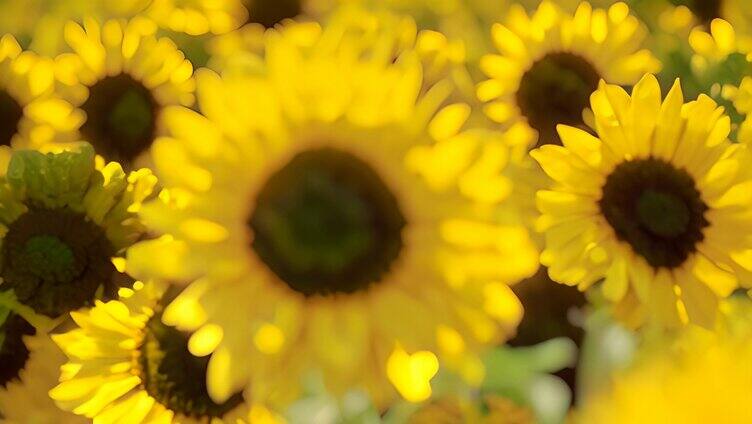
{"x": 55, "y": 260}
{"x": 555, "y": 90}
{"x": 656, "y": 208}
{"x": 176, "y": 378}
{"x": 13, "y": 352}
{"x": 10, "y": 115}
{"x": 121, "y": 116}
{"x": 48, "y": 256}
{"x": 663, "y": 214}
{"x": 271, "y": 12}
{"x": 326, "y": 223}
{"x": 705, "y": 10}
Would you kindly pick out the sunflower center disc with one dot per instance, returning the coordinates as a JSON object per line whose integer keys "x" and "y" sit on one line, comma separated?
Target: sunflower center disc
{"x": 121, "y": 118}
{"x": 55, "y": 260}
{"x": 13, "y": 351}
{"x": 271, "y": 12}
{"x": 326, "y": 223}
{"x": 48, "y": 256}
{"x": 656, "y": 208}
{"x": 176, "y": 378}
{"x": 10, "y": 115}
{"x": 555, "y": 90}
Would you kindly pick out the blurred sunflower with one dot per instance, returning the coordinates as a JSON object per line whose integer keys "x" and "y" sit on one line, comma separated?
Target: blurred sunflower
{"x": 704, "y": 11}
{"x": 122, "y": 77}
{"x": 193, "y": 17}
{"x": 705, "y": 379}
{"x": 242, "y": 51}
{"x": 65, "y": 223}
{"x": 29, "y": 111}
{"x": 126, "y": 365}
{"x": 467, "y": 21}
{"x": 40, "y": 22}
{"x": 655, "y": 205}
{"x": 321, "y": 204}
{"x": 551, "y": 62}
{"x": 721, "y": 62}
{"x": 30, "y": 369}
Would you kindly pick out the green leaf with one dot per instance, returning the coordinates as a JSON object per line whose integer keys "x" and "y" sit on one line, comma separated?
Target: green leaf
{"x": 607, "y": 347}
{"x": 508, "y": 367}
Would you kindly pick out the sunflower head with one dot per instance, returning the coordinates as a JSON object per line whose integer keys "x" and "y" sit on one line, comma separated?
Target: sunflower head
{"x": 192, "y": 17}
{"x": 67, "y": 220}
{"x": 30, "y": 368}
{"x": 31, "y": 112}
{"x": 359, "y": 193}
{"x": 121, "y": 76}
{"x": 698, "y": 377}
{"x": 551, "y": 61}
{"x": 648, "y": 211}
{"x": 152, "y": 372}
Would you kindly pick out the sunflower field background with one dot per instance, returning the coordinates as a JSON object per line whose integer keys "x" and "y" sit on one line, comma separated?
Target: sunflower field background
{"x": 375, "y": 211}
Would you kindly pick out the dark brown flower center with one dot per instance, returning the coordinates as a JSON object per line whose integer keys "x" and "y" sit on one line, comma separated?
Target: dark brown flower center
{"x": 176, "y": 378}
{"x": 555, "y": 90}
{"x": 327, "y": 223}
{"x": 121, "y": 116}
{"x": 271, "y": 12}
{"x": 10, "y": 115}
{"x": 656, "y": 208}
{"x": 550, "y": 312}
{"x": 13, "y": 351}
{"x": 56, "y": 260}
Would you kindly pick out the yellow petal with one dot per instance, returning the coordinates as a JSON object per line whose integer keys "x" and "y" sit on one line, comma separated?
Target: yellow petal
{"x": 205, "y": 340}
{"x": 449, "y": 121}
{"x": 411, "y": 374}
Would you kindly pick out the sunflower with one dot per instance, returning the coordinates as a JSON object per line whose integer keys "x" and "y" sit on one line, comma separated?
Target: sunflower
{"x": 29, "y": 111}
{"x": 654, "y": 205}
{"x": 348, "y": 197}
{"x": 705, "y": 11}
{"x": 37, "y": 23}
{"x": 701, "y": 378}
{"x": 125, "y": 364}
{"x": 240, "y": 51}
{"x": 193, "y": 17}
{"x": 551, "y": 62}
{"x": 30, "y": 369}
{"x": 122, "y": 77}
{"x": 66, "y": 221}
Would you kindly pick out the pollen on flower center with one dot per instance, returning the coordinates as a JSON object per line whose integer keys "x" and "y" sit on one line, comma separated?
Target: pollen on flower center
{"x": 271, "y": 12}
{"x": 13, "y": 352}
{"x": 120, "y": 118}
{"x": 656, "y": 208}
{"x": 10, "y": 115}
{"x": 326, "y": 223}
{"x": 55, "y": 260}
{"x": 555, "y": 90}
{"x": 174, "y": 377}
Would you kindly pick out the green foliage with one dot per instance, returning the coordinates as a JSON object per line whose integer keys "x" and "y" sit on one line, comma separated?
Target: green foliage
{"x": 523, "y": 375}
